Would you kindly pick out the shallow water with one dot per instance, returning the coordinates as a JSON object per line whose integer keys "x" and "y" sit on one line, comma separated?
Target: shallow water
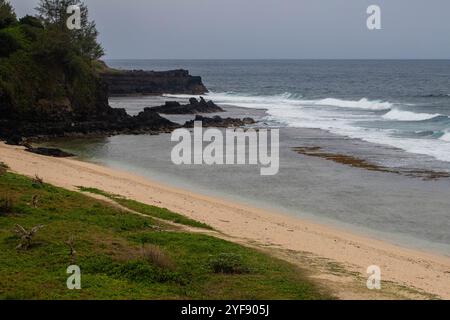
{"x": 399, "y": 103}
{"x": 390, "y": 113}
{"x": 406, "y": 210}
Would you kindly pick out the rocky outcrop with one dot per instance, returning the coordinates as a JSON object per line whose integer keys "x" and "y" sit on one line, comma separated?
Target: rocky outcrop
{"x": 136, "y": 82}
{"x": 220, "y": 122}
{"x": 194, "y": 106}
{"x": 66, "y": 119}
{"x": 116, "y": 121}
{"x": 50, "y": 152}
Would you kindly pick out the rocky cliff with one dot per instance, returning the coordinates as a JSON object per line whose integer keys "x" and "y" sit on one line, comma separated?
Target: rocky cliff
{"x": 135, "y": 82}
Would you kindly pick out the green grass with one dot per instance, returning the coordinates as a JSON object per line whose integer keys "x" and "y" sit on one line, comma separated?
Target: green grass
{"x": 153, "y": 211}
{"x": 109, "y": 245}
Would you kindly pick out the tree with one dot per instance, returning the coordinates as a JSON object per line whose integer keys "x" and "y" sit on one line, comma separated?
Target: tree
{"x": 7, "y": 14}
{"x": 8, "y": 44}
{"x": 54, "y": 15}
{"x": 31, "y": 21}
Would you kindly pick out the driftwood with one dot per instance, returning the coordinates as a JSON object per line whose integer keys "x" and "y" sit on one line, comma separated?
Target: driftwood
{"x": 26, "y": 237}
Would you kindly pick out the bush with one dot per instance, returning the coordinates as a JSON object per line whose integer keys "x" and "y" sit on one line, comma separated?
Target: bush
{"x": 8, "y": 44}
{"x": 31, "y": 21}
{"x": 37, "y": 181}
{"x": 7, "y": 15}
{"x": 154, "y": 255}
{"x": 228, "y": 263}
{"x": 6, "y": 205}
{"x": 3, "y": 168}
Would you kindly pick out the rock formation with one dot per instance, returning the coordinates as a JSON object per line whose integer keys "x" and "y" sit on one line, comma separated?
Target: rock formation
{"x": 194, "y": 106}
{"x": 220, "y": 122}
{"x": 135, "y": 82}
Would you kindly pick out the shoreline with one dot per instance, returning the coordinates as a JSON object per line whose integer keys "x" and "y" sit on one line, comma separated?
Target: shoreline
{"x": 293, "y": 239}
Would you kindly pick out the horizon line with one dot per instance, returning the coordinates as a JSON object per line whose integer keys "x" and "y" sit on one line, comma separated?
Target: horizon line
{"x": 291, "y": 59}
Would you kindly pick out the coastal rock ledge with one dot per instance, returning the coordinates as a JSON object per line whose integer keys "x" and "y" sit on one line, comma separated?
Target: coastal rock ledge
{"x": 139, "y": 82}
{"x": 194, "y": 106}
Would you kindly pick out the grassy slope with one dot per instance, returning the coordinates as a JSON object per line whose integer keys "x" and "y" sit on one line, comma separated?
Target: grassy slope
{"x": 161, "y": 213}
{"x": 109, "y": 251}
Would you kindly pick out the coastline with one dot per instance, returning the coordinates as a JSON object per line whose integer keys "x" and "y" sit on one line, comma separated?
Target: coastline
{"x": 298, "y": 240}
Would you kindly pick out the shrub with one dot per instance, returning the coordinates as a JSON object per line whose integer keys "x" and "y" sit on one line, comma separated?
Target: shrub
{"x": 38, "y": 181}
{"x": 228, "y": 263}
{"x": 3, "y": 168}
{"x": 7, "y": 14}
{"x": 6, "y": 205}
{"x": 156, "y": 256}
{"x": 31, "y": 21}
{"x": 8, "y": 44}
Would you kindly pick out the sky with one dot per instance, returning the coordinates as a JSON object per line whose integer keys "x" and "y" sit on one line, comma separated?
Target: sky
{"x": 267, "y": 29}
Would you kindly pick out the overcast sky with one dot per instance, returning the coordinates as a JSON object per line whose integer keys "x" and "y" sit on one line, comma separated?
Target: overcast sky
{"x": 253, "y": 29}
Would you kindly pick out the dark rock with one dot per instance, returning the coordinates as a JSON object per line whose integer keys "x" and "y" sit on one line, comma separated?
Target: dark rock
{"x": 116, "y": 121}
{"x": 151, "y": 119}
{"x": 194, "y": 106}
{"x": 14, "y": 140}
{"x": 152, "y": 82}
{"x": 51, "y": 152}
{"x": 66, "y": 117}
{"x": 220, "y": 122}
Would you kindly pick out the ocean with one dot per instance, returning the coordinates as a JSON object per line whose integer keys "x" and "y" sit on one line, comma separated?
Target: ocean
{"x": 403, "y": 104}
{"x": 395, "y": 114}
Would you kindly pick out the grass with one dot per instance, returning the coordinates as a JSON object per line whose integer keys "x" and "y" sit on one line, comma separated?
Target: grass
{"x": 123, "y": 256}
{"x": 228, "y": 263}
{"x": 153, "y": 211}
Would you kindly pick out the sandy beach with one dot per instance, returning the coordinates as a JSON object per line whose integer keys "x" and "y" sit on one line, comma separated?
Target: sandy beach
{"x": 336, "y": 258}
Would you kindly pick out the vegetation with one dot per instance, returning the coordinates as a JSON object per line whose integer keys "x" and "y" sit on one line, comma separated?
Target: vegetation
{"x": 3, "y": 168}
{"x": 126, "y": 256}
{"x": 47, "y": 72}
{"x": 228, "y": 263}
{"x": 7, "y": 15}
{"x": 153, "y": 211}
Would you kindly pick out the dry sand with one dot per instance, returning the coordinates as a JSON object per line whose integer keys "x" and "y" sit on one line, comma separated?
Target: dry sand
{"x": 335, "y": 258}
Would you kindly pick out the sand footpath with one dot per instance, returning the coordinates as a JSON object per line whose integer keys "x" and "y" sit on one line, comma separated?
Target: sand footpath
{"x": 336, "y": 258}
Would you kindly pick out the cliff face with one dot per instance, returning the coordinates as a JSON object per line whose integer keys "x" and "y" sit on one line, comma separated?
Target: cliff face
{"x": 152, "y": 82}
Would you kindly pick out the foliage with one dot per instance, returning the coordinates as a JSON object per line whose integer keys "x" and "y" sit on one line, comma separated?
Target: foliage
{"x": 3, "y": 168}
{"x": 47, "y": 71}
{"x": 6, "y": 205}
{"x": 8, "y": 44}
{"x": 31, "y": 21}
{"x": 157, "y": 212}
{"x": 122, "y": 256}
{"x": 54, "y": 15}
{"x": 157, "y": 257}
{"x": 228, "y": 263}
{"x": 7, "y": 14}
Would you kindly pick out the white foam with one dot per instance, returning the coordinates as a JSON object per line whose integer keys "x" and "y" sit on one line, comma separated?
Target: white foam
{"x": 289, "y": 99}
{"x": 327, "y": 114}
{"x": 358, "y": 104}
{"x": 446, "y": 137}
{"x": 401, "y": 115}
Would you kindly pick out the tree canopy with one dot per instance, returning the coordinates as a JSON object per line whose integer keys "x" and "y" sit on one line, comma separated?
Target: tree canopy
{"x": 46, "y": 69}
{"x": 54, "y": 14}
{"x": 7, "y": 14}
